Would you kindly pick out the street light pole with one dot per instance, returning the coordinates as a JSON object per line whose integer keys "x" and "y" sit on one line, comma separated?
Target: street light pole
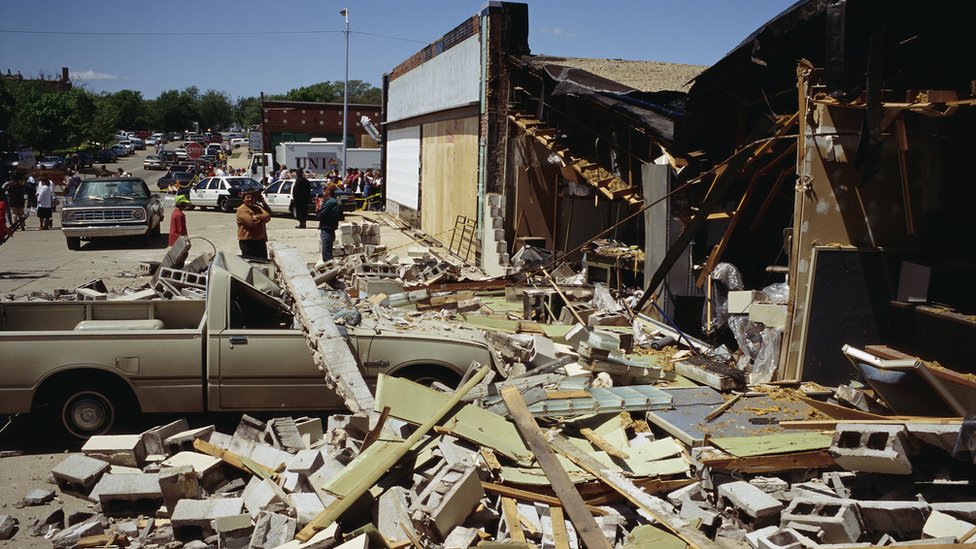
{"x": 345, "y": 96}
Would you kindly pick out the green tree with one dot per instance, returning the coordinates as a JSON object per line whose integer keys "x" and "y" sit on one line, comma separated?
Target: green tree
{"x": 177, "y": 110}
{"x": 215, "y": 110}
{"x": 247, "y": 111}
{"x": 331, "y": 92}
{"x": 41, "y": 119}
{"x": 130, "y": 109}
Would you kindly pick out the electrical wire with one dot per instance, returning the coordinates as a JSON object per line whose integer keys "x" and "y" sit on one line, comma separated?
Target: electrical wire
{"x": 187, "y": 33}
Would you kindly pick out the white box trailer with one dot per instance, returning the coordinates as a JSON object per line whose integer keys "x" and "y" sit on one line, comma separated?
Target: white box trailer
{"x": 316, "y": 156}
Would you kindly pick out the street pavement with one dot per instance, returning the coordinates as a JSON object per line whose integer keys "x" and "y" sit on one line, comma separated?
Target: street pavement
{"x": 36, "y": 260}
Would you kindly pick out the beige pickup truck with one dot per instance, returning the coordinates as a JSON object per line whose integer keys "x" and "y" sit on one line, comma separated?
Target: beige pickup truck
{"x": 84, "y": 365}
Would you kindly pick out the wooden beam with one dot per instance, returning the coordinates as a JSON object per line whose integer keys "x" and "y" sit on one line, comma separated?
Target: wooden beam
{"x": 330, "y": 349}
{"x": 232, "y": 459}
{"x": 772, "y": 463}
{"x": 533, "y": 497}
{"x": 581, "y": 518}
{"x": 723, "y": 243}
{"x": 560, "y": 536}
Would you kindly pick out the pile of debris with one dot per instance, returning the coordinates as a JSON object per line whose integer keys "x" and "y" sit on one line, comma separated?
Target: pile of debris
{"x": 171, "y": 278}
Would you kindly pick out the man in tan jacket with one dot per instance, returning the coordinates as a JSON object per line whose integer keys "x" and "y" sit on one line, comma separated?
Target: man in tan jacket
{"x": 252, "y": 235}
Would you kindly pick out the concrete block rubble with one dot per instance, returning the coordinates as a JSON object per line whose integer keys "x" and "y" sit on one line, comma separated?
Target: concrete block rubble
{"x": 591, "y": 427}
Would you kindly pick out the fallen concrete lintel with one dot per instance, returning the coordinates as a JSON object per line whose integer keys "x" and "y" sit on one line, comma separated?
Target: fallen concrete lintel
{"x": 330, "y": 349}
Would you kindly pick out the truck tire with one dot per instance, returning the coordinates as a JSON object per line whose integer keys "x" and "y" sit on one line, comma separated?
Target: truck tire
{"x": 74, "y": 242}
{"x": 224, "y": 205}
{"x": 85, "y": 412}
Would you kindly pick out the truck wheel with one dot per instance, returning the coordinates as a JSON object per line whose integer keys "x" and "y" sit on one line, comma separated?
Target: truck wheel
{"x": 224, "y": 205}
{"x": 74, "y": 242}
{"x": 86, "y": 412}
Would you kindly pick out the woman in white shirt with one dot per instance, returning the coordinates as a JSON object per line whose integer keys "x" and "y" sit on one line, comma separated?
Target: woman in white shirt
{"x": 45, "y": 203}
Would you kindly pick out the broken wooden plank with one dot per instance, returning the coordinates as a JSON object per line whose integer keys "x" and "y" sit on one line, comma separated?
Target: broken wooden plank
{"x": 603, "y": 444}
{"x": 534, "y": 497}
{"x": 771, "y": 464}
{"x": 330, "y": 348}
{"x": 233, "y": 459}
{"x": 831, "y": 424}
{"x": 369, "y": 470}
{"x": 565, "y": 490}
{"x": 510, "y": 515}
{"x": 560, "y": 537}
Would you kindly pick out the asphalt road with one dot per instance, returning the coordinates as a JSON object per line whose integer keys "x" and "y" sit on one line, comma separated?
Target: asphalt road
{"x": 35, "y": 260}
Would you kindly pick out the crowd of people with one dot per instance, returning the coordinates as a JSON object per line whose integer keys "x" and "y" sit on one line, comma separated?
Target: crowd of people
{"x": 23, "y": 194}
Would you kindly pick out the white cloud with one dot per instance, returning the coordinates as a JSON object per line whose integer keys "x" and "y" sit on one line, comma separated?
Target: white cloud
{"x": 556, "y": 31}
{"x": 92, "y": 75}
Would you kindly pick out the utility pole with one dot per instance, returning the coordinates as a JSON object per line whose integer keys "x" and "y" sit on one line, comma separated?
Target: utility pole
{"x": 345, "y": 97}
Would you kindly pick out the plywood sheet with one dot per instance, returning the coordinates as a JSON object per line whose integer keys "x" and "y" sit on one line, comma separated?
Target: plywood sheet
{"x": 779, "y": 443}
{"x": 448, "y": 175}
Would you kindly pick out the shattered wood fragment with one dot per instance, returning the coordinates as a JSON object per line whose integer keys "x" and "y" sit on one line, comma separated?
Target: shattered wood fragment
{"x": 373, "y": 435}
{"x": 367, "y": 474}
{"x": 582, "y": 520}
{"x": 603, "y": 444}
{"x": 233, "y": 459}
{"x": 330, "y": 348}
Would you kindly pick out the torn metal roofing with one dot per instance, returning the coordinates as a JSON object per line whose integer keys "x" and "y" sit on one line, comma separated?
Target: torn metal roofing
{"x": 654, "y": 111}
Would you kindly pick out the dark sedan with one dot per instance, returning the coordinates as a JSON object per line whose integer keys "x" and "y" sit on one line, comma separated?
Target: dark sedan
{"x": 51, "y": 163}
{"x": 106, "y": 156}
{"x": 175, "y": 179}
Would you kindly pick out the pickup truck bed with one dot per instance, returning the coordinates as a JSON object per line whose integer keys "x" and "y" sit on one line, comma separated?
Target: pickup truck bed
{"x": 85, "y": 364}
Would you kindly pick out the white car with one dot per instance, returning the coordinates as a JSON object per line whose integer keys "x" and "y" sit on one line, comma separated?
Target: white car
{"x": 223, "y": 192}
{"x": 128, "y": 146}
{"x": 279, "y": 196}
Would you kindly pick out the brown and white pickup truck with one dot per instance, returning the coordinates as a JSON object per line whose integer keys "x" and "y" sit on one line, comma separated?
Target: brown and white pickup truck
{"x": 86, "y": 364}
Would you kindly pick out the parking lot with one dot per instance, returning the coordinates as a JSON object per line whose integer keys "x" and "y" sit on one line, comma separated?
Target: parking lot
{"x": 35, "y": 260}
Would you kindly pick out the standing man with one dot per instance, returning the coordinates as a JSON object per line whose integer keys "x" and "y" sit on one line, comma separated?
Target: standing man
{"x": 74, "y": 181}
{"x": 177, "y": 220}
{"x": 300, "y": 195}
{"x": 252, "y": 235}
{"x": 17, "y": 198}
{"x": 328, "y": 216}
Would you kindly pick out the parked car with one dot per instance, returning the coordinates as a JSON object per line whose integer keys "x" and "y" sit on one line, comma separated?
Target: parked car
{"x": 106, "y": 156}
{"x": 153, "y": 162}
{"x": 51, "y": 163}
{"x": 212, "y": 149}
{"x": 137, "y": 143}
{"x": 168, "y": 157}
{"x": 174, "y": 179}
{"x": 121, "y": 206}
{"x": 279, "y": 196}
{"x": 237, "y": 142}
{"x": 181, "y": 153}
{"x": 19, "y": 160}
{"x": 85, "y": 159}
{"x": 223, "y": 192}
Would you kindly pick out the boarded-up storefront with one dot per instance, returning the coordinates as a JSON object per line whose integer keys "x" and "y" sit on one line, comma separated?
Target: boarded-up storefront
{"x": 449, "y": 170}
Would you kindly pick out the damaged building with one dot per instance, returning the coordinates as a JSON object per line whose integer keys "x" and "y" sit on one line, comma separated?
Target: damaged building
{"x": 828, "y": 143}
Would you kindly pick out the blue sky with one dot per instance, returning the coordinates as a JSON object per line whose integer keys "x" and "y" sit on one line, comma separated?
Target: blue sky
{"x": 246, "y": 47}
